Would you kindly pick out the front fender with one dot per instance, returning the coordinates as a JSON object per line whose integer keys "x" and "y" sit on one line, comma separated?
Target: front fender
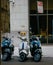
{"x": 7, "y": 50}
{"x": 38, "y": 51}
{"x": 24, "y": 51}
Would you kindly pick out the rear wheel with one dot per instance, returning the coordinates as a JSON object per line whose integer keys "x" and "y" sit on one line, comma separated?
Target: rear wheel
{"x": 37, "y": 57}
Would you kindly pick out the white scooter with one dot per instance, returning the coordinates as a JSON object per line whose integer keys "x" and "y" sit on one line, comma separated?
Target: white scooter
{"x": 23, "y": 50}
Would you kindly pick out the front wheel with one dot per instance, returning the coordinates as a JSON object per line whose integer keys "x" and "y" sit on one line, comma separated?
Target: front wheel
{"x": 37, "y": 57}
{"x": 22, "y": 57}
{"x": 4, "y": 56}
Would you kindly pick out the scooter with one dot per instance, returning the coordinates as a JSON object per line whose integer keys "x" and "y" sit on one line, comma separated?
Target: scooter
{"x": 23, "y": 50}
{"x": 35, "y": 49}
{"x": 7, "y": 49}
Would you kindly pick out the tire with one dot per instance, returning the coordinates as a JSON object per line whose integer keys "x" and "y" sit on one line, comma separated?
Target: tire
{"x": 37, "y": 57}
{"x": 5, "y": 57}
{"x": 22, "y": 57}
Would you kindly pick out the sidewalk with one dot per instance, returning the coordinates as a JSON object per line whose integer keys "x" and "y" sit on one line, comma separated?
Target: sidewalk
{"x": 47, "y": 51}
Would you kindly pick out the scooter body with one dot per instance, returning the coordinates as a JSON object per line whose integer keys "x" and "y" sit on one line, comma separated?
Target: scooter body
{"x": 36, "y": 50}
{"x": 7, "y": 49}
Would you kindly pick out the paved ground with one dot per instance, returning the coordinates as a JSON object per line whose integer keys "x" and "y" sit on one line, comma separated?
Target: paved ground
{"x": 47, "y": 58}
{"x": 14, "y": 61}
{"x": 47, "y": 51}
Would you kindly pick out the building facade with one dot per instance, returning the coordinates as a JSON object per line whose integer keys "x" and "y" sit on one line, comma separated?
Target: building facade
{"x": 41, "y": 24}
{"x": 19, "y": 19}
{"x": 24, "y": 16}
{"x": 4, "y": 17}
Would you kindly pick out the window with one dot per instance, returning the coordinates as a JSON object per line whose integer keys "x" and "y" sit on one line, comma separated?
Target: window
{"x": 42, "y": 24}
